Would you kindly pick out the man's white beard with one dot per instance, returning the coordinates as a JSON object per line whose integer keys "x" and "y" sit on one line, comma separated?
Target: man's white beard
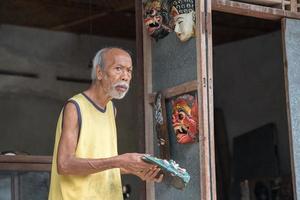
{"x": 113, "y": 92}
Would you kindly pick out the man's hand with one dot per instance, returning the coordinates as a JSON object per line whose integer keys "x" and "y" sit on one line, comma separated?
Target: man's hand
{"x": 150, "y": 174}
{"x": 132, "y": 163}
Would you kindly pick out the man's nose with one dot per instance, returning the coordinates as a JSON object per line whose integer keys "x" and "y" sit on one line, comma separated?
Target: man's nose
{"x": 126, "y": 76}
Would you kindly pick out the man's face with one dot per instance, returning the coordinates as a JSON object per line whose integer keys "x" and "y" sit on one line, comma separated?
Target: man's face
{"x": 117, "y": 73}
{"x": 184, "y": 26}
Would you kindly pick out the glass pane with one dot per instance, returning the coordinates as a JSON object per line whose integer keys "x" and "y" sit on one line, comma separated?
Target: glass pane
{"x": 34, "y": 185}
{"x": 5, "y": 187}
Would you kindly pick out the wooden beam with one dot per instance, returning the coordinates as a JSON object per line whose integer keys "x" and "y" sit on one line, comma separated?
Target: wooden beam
{"x": 210, "y": 99}
{"x": 24, "y": 167}
{"x": 270, "y": 3}
{"x": 294, "y": 5}
{"x": 139, "y": 71}
{"x": 89, "y": 18}
{"x": 246, "y": 9}
{"x": 85, "y": 5}
{"x": 148, "y": 88}
{"x": 251, "y": 10}
{"x": 25, "y": 163}
{"x": 77, "y": 22}
{"x": 25, "y": 159}
{"x": 176, "y": 90}
{"x": 205, "y": 181}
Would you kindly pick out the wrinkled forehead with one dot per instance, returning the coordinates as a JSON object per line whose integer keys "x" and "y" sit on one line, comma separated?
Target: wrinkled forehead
{"x": 116, "y": 52}
{"x": 117, "y": 56}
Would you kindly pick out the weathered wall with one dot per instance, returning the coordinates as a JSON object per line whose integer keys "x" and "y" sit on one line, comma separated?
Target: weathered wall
{"x": 292, "y": 43}
{"x": 29, "y": 107}
{"x": 249, "y": 88}
{"x": 174, "y": 63}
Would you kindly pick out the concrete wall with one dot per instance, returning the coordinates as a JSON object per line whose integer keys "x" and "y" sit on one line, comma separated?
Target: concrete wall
{"x": 174, "y": 62}
{"x": 249, "y": 88}
{"x": 292, "y": 42}
{"x": 29, "y": 107}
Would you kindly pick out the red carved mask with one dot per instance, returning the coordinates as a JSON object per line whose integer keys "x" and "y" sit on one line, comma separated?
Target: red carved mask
{"x": 185, "y": 119}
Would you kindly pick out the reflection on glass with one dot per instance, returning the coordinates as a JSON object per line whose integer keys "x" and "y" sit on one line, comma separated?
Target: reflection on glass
{"x": 25, "y": 185}
{"x": 34, "y": 185}
{"x": 5, "y": 187}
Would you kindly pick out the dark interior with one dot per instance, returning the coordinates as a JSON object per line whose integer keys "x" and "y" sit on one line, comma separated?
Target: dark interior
{"x": 251, "y": 128}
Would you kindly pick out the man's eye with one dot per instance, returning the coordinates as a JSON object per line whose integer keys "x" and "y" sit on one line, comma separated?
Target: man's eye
{"x": 118, "y": 68}
{"x": 180, "y": 22}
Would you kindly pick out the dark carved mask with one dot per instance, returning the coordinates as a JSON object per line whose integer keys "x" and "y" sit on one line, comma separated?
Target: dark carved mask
{"x": 156, "y": 19}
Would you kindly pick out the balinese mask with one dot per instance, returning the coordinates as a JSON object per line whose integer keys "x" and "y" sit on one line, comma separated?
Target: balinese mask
{"x": 183, "y": 13}
{"x": 185, "y": 118}
{"x": 157, "y": 19}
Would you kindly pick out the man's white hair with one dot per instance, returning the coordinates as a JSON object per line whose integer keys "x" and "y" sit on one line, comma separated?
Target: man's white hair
{"x": 99, "y": 60}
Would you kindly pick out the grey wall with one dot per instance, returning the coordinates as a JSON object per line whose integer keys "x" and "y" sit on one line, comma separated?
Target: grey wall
{"x": 292, "y": 42}
{"x": 249, "y": 88}
{"x": 29, "y": 107}
{"x": 174, "y": 63}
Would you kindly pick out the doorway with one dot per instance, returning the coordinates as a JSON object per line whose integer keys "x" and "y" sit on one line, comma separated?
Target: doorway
{"x": 250, "y": 115}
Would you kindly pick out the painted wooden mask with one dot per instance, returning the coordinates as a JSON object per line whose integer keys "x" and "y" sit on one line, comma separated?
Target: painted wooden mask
{"x": 183, "y": 13}
{"x": 157, "y": 18}
{"x": 185, "y": 118}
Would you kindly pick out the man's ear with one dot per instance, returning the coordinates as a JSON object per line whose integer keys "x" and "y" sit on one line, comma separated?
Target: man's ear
{"x": 99, "y": 72}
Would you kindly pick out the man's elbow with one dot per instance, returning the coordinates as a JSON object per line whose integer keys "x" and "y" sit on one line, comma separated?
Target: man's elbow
{"x": 63, "y": 168}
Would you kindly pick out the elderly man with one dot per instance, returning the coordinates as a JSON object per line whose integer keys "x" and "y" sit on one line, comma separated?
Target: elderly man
{"x": 86, "y": 164}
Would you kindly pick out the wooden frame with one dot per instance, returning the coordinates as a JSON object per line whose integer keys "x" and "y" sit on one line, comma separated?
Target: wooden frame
{"x": 176, "y": 90}
{"x": 168, "y": 94}
{"x": 140, "y": 80}
{"x": 204, "y": 82}
{"x": 149, "y": 136}
{"x": 257, "y": 11}
{"x": 203, "y": 85}
{"x": 205, "y": 88}
{"x": 25, "y": 163}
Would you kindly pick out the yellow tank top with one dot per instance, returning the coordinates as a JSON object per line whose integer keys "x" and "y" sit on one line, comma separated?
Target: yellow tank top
{"x": 97, "y": 139}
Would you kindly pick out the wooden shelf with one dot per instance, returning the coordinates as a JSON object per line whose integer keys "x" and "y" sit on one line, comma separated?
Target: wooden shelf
{"x": 248, "y": 9}
{"x": 270, "y": 3}
{"x": 176, "y": 90}
{"x": 25, "y": 163}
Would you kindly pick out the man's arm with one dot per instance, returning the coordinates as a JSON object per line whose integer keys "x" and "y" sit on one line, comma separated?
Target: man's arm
{"x": 69, "y": 164}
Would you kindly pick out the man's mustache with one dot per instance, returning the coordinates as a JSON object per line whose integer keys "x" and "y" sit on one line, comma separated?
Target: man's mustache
{"x": 122, "y": 84}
